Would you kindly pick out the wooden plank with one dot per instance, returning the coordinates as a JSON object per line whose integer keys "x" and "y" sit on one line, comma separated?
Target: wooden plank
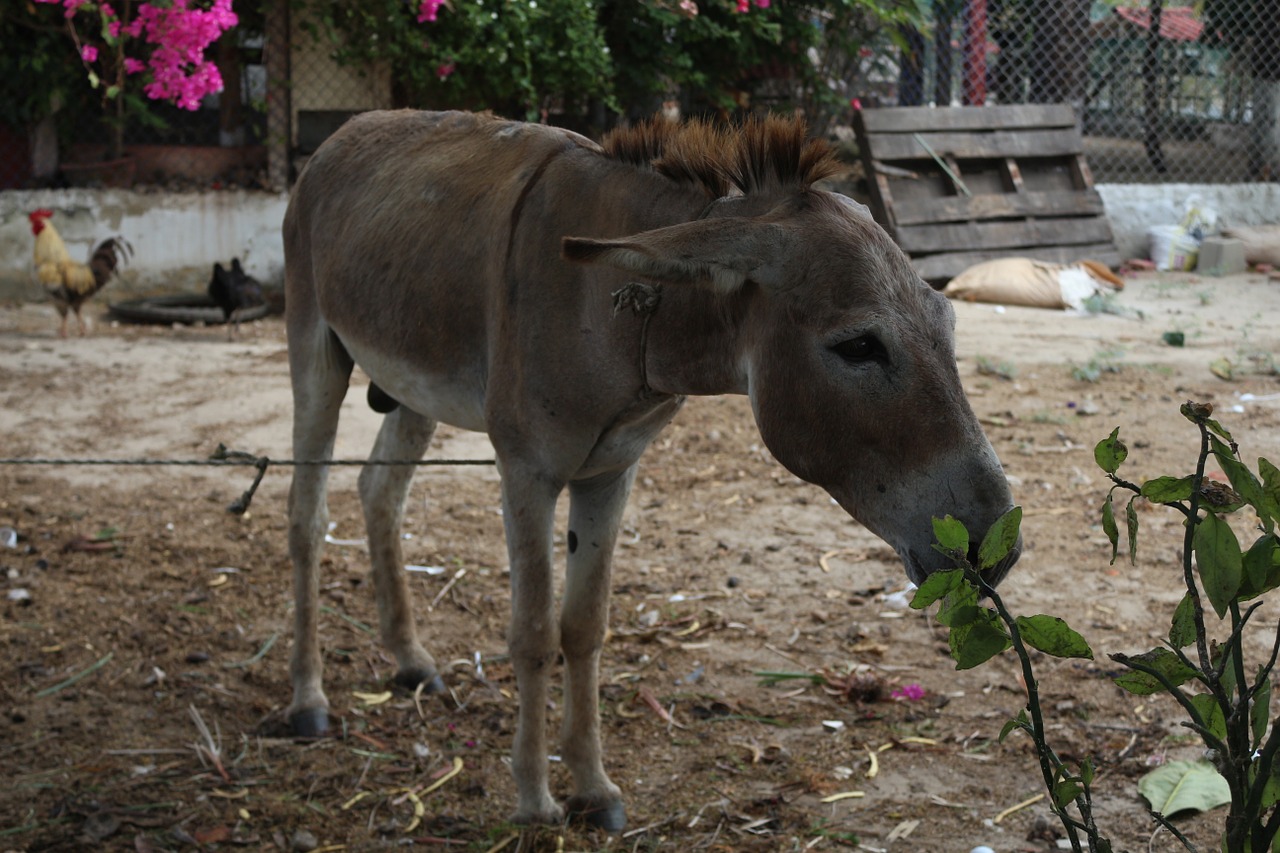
{"x": 919, "y": 119}
{"x": 943, "y": 267}
{"x": 1001, "y": 143}
{"x": 1080, "y": 172}
{"x": 926, "y": 239}
{"x": 993, "y": 206}
{"x": 1014, "y": 175}
{"x": 883, "y": 209}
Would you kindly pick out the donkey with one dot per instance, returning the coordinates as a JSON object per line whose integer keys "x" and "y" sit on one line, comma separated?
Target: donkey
{"x": 565, "y": 297}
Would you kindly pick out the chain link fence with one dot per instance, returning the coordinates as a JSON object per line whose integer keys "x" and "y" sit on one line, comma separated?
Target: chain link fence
{"x": 1163, "y": 93}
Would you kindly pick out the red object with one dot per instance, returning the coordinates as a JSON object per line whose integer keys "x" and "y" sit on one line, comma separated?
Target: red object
{"x": 975, "y": 55}
{"x": 37, "y": 219}
{"x": 1177, "y": 23}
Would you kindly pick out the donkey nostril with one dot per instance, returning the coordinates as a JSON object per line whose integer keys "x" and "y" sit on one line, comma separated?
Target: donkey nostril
{"x": 973, "y": 554}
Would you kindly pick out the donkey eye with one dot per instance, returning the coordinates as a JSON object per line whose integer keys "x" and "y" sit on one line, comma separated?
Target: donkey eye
{"x": 861, "y": 348}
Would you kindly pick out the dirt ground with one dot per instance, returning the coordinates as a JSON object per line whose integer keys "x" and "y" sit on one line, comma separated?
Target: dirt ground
{"x": 138, "y": 609}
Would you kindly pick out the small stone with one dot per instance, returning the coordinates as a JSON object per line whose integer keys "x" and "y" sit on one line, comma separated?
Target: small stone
{"x": 303, "y": 841}
{"x": 20, "y": 596}
{"x": 733, "y": 582}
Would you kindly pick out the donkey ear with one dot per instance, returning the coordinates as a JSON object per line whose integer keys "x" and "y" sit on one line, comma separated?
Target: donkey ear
{"x": 721, "y": 253}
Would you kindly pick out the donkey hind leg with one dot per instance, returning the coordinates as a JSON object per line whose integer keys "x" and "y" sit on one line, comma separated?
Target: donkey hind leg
{"x": 404, "y": 435}
{"x": 595, "y": 511}
{"x": 320, "y": 376}
{"x": 528, "y": 512}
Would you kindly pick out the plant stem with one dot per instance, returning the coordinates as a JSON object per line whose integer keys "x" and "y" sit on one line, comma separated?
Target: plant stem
{"x": 1049, "y": 762}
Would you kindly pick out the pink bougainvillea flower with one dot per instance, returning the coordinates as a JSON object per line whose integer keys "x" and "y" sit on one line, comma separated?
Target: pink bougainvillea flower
{"x": 856, "y": 103}
{"x": 445, "y": 70}
{"x": 689, "y": 8}
{"x": 762, "y": 4}
{"x": 910, "y": 692}
{"x": 744, "y": 5}
{"x": 178, "y": 32}
{"x": 429, "y": 10}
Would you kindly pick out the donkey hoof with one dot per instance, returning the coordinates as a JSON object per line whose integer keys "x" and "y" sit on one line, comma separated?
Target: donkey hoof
{"x": 429, "y": 678}
{"x": 609, "y": 815}
{"x": 310, "y": 722}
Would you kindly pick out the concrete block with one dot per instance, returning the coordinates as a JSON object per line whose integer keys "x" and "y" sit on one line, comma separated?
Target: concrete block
{"x": 1221, "y": 256}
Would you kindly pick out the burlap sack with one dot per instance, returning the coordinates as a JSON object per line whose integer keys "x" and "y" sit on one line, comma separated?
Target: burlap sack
{"x": 1036, "y": 284}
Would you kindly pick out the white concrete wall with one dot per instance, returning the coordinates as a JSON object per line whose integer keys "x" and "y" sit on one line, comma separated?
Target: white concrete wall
{"x": 1133, "y": 208}
{"x": 176, "y": 237}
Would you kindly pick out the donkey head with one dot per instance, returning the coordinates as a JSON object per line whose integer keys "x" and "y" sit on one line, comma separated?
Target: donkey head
{"x": 847, "y": 356}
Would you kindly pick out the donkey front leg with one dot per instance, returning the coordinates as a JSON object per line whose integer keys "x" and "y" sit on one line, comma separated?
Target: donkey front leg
{"x": 383, "y": 488}
{"x": 595, "y": 511}
{"x": 528, "y": 511}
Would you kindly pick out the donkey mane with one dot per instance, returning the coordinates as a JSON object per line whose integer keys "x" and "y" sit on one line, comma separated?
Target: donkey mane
{"x": 764, "y": 155}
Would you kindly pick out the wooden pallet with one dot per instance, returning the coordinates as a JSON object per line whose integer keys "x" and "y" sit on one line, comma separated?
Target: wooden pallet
{"x": 962, "y": 185}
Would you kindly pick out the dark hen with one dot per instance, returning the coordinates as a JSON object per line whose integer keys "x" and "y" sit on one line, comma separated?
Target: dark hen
{"x": 234, "y": 291}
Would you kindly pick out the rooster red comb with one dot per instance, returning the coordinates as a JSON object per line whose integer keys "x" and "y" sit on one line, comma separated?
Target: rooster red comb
{"x": 39, "y": 215}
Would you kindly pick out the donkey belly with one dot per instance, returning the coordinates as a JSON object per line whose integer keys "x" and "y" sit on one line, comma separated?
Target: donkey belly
{"x": 451, "y": 396}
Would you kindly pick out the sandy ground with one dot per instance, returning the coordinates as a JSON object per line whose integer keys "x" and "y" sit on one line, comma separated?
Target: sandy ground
{"x": 729, "y": 567}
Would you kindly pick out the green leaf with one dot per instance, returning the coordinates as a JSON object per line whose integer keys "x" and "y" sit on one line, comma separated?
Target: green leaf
{"x": 1270, "y": 482}
{"x": 1218, "y": 428}
{"x": 1160, "y": 660}
{"x": 951, "y": 535}
{"x": 1066, "y": 791}
{"x": 1181, "y": 785}
{"x": 1018, "y": 722}
{"x": 1182, "y": 632}
{"x": 978, "y": 641}
{"x": 1109, "y": 526}
{"x": 1219, "y": 560}
{"x": 936, "y": 586}
{"x": 960, "y": 606}
{"x": 1000, "y": 538}
{"x": 1260, "y": 710}
{"x": 1053, "y": 636}
{"x": 1259, "y": 564}
{"x": 1216, "y": 653}
{"x": 1163, "y": 490}
{"x": 1086, "y": 772}
{"x": 1110, "y": 452}
{"x": 1244, "y": 482}
{"x": 1271, "y": 791}
{"x": 1131, "y": 520}
{"x": 1211, "y": 713}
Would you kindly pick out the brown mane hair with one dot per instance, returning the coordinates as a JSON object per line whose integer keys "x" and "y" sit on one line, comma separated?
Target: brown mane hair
{"x": 764, "y": 155}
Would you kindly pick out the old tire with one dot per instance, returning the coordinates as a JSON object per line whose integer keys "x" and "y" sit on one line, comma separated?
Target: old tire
{"x": 185, "y": 308}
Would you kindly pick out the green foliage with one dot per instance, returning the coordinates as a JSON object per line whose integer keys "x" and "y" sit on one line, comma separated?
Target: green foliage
{"x": 1053, "y": 636}
{"x": 514, "y": 58}
{"x": 1229, "y": 712}
{"x": 523, "y": 59}
{"x": 1104, "y": 361}
{"x": 43, "y": 74}
{"x": 1232, "y": 713}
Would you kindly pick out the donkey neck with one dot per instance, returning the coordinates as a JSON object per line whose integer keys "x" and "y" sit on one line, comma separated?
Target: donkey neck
{"x": 693, "y": 343}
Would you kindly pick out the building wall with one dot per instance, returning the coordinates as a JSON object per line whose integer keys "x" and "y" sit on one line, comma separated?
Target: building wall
{"x": 1134, "y": 208}
{"x": 178, "y": 236}
{"x": 319, "y": 84}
